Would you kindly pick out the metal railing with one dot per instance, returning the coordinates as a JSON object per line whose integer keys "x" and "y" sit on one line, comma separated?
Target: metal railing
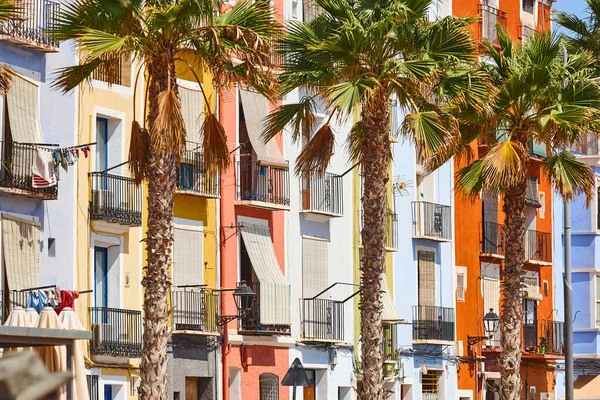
{"x": 552, "y": 336}
{"x": 15, "y": 171}
{"x": 250, "y": 319}
{"x": 525, "y": 32}
{"x": 115, "y": 199}
{"x": 431, "y": 220}
{"x": 391, "y": 229}
{"x": 93, "y": 388}
{"x": 537, "y": 246}
{"x": 264, "y": 183}
{"x": 492, "y": 238}
{"x": 433, "y": 323}
{"x": 391, "y": 357}
{"x": 10, "y": 299}
{"x": 530, "y": 335}
{"x": 322, "y": 319}
{"x": 31, "y": 21}
{"x": 195, "y": 310}
{"x": 116, "y": 332}
{"x": 194, "y": 177}
{"x": 323, "y": 194}
{"x": 489, "y": 18}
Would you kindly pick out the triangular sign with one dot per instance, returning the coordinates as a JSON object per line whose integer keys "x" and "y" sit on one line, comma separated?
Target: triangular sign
{"x": 296, "y": 375}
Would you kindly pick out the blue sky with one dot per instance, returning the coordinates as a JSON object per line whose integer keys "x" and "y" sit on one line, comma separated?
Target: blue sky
{"x": 572, "y": 6}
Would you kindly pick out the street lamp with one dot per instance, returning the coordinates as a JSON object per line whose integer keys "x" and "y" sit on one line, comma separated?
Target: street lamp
{"x": 490, "y": 325}
{"x": 243, "y": 296}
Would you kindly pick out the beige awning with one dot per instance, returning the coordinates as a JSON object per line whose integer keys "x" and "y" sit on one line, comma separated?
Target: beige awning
{"x": 188, "y": 263}
{"x": 23, "y": 103}
{"x": 21, "y": 250}
{"x": 256, "y": 108}
{"x": 389, "y": 313}
{"x": 192, "y": 110}
{"x": 274, "y": 289}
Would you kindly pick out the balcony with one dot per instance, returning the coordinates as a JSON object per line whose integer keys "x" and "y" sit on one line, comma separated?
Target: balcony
{"x": 10, "y": 299}
{"x": 15, "y": 172}
{"x": 115, "y": 199}
{"x": 492, "y": 238}
{"x": 432, "y": 323}
{"x": 116, "y": 332}
{"x": 322, "y": 320}
{"x": 29, "y": 26}
{"x": 431, "y": 221}
{"x": 194, "y": 178}
{"x": 323, "y": 195}
{"x": 195, "y": 310}
{"x": 391, "y": 230}
{"x": 263, "y": 186}
{"x": 537, "y": 247}
{"x": 249, "y": 321}
{"x": 543, "y": 337}
{"x": 489, "y": 17}
{"x": 525, "y": 32}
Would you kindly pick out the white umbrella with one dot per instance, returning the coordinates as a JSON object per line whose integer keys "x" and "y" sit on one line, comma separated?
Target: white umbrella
{"x": 69, "y": 320}
{"x": 55, "y": 357}
{"x": 33, "y": 316}
{"x": 18, "y": 317}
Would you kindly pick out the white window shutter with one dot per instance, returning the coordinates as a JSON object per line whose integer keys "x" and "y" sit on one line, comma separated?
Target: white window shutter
{"x": 188, "y": 261}
{"x": 314, "y": 266}
{"x": 426, "y": 278}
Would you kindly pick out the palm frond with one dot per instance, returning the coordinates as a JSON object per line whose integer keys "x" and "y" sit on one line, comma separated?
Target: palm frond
{"x": 168, "y": 129}
{"x": 347, "y": 96}
{"x": 470, "y": 180}
{"x": 570, "y": 176}
{"x": 354, "y": 142}
{"x": 504, "y": 165}
{"x": 139, "y": 152}
{"x": 216, "y": 152}
{"x": 427, "y": 131}
{"x": 7, "y": 9}
{"x": 300, "y": 115}
{"x": 315, "y": 156}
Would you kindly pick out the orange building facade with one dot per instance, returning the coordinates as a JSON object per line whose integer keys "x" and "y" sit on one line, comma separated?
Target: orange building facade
{"x": 480, "y": 247}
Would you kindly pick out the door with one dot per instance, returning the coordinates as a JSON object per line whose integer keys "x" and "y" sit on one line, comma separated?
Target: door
{"x": 108, "y": 395}
{"x": 101, "y": 144}
{"x": 191, "y": 389}
{"x": 530, "y": 323}
{"x": 309, "y": 391}
{"x": 100, "y": 278}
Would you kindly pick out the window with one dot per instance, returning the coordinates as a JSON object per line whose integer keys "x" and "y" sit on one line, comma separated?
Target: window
{"x": 314, "y": 266}
{"x": 598, "y": 301}
{"x": 269, "y": 386}
{"x": 188, "y": 266}
{"x": 543, "y": 203}
{"x": 460, "y": 286}
{"x": 546, "y": 288}
{"x": 426, "y": 266}
{"x": 100, "y": 277}
{"x": 309, "y": 392}
{"x": 430, "y": 385}
{"x": 528, "y": 6}
{"x": 101, "y": 144}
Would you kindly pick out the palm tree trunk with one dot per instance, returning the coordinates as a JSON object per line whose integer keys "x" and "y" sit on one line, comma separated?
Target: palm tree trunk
{"x": 511, "y": 316}
{"x": 162, "y": 179}
{"x": 375, "y": 161}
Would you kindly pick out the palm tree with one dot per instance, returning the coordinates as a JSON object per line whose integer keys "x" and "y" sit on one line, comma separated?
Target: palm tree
{"x": 234, "y": 46}
{"x": 351, "y": 59}
{"x": 585, "y": 32}
{"x": 7, "y": 9}
{"x": 535, "y": 98}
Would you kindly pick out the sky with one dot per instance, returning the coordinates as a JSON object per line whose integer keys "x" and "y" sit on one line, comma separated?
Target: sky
{"x": 571, "y": 6}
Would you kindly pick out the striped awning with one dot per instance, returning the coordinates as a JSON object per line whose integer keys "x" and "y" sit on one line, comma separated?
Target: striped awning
{"x": 23, "y": 104}
{"x": 256, "y": 108}
{"x": 21, "y": 251}
{"x": 389, "y": 313}
{"x": 274, "y": 296}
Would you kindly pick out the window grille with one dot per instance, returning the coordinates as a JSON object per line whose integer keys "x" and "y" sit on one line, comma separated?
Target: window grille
{"x": 269, "y": 386}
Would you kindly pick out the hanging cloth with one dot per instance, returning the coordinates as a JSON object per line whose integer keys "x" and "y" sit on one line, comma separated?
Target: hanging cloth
{"x": 68, "y": 299}
{"x": 37, "y": 300}
{"x": 43, "y": 169}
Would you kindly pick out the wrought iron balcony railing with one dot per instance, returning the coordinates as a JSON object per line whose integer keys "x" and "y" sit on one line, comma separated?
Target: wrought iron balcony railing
{"x": 537, "y": 246}
{"x": 391, "y": 229}
{"x": 115, "y": 199}
{"x": 431, "y": 220}
{"x": 30, "y": 24}
{"x": 263, "y": 183}
{"x": 249, "y": 320}
{"x": 525, "y": 32}
{"x": 323, "y": 194}
{"x": 322, "y": 319}
{"x": 489, "y": 19}
{"x": 492, "y": 238}
{"x": 15, "y": 172}
{"x": 195, "y": 310}
{"x": 10, "y": 299}
{"x": 194, "y": 177}
{"x": 545, "y": 337}
{"x": 116, "y": 332}
{"x": 433, "y": 323}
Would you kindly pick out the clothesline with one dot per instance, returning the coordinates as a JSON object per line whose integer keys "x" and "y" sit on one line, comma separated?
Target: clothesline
{"x": 53, "y": 287}
{"x": 51, "y": 144}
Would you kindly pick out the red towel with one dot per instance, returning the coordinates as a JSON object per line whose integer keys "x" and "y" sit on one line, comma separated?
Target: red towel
{"x": 67, "y": 299}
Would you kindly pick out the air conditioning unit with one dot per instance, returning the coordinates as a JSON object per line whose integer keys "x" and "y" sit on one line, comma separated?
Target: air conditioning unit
{"x": 101, "y": 333}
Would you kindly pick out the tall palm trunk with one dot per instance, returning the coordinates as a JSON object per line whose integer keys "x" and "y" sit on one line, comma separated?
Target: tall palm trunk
{"x": 375, "y": 161}
{"x": 162, "y": 170}
{"x": 511, "y": 315}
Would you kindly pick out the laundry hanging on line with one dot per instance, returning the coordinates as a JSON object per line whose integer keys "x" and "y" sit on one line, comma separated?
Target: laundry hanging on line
{"x": 47, "y": 161}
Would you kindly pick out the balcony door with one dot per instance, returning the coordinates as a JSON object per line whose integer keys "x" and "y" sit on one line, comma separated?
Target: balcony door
{"x": 100, "y": 280}
{"x": 101, "y": 144}
{"x": 530, "y": 337}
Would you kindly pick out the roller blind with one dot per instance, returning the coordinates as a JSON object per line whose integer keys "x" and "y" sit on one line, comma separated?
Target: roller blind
{"x": 21, "y": 252}
{"x": 188, "y": 260}
{"x": 192, "y": 110}
{"x": 314, "y": 266}
{"x": 23, "y": 104}
{"x": 426, "y": 278}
